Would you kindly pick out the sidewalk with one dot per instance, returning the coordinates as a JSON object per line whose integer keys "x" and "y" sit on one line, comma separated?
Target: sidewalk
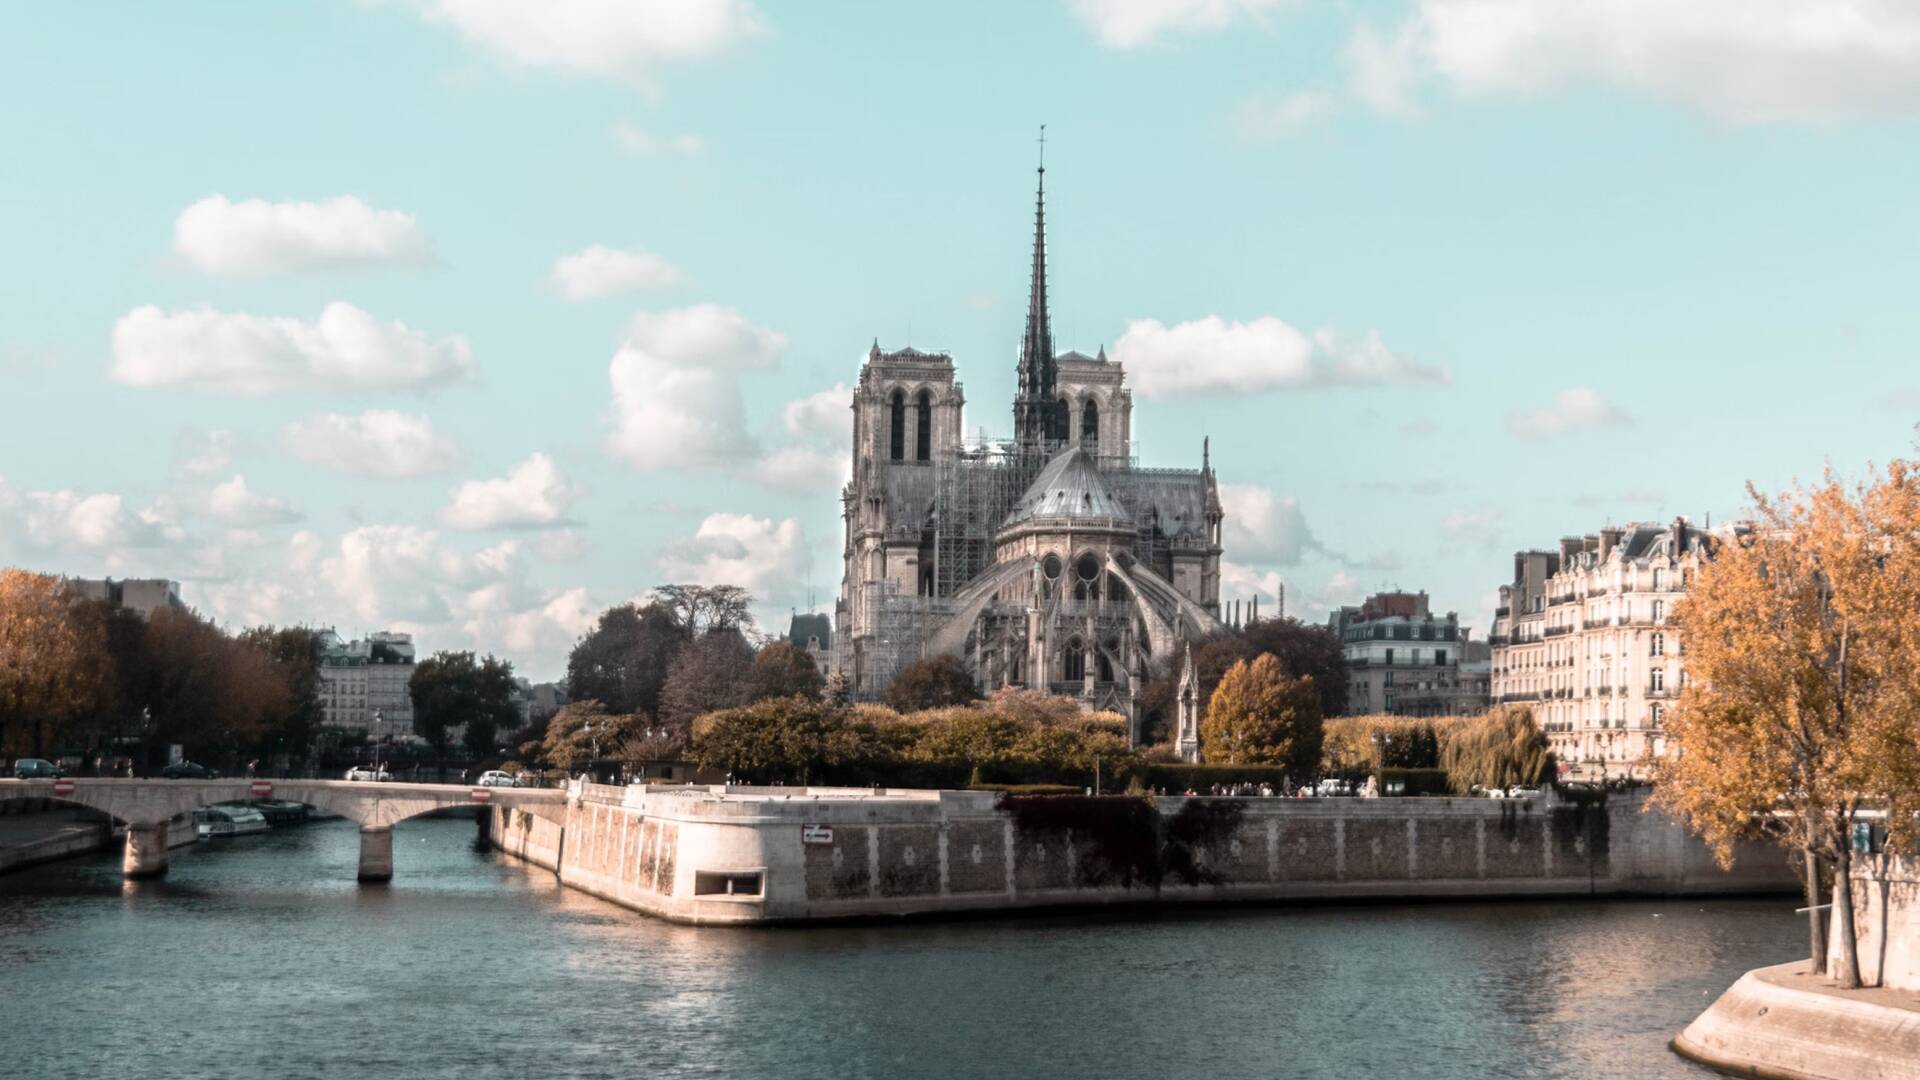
{"x": 27, "y": 839}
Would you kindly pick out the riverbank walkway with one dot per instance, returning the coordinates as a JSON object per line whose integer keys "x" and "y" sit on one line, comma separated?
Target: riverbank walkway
{"x": 45, "y": 835}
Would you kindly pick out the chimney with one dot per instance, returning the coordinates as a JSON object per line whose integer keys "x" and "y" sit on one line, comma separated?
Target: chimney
{"x": 1679, "y": 536}
{"x": 1609, "y": 539}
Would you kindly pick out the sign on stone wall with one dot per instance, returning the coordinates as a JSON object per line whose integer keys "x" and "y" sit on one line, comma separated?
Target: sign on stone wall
{"x": 816, "y": 834}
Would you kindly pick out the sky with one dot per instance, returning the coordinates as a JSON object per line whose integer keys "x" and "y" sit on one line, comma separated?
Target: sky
{"x": 473, "y": 317}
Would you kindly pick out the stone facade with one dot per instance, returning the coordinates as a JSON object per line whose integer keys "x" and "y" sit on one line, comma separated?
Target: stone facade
{"x": 363, "y": 677}
{"x": 143, "y": 595}
{"x": 1404, "y": 660}
{"x": 1046, "y": 561}
{"x": 1581, "y": 637}
{"x": 744, "y": 855}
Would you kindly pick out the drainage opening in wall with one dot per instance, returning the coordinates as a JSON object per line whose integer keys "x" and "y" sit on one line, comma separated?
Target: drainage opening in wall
{"x": 726, "y": 883}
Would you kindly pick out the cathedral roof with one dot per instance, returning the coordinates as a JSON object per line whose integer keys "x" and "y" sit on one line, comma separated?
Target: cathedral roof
{"x": 1069, "y": 487}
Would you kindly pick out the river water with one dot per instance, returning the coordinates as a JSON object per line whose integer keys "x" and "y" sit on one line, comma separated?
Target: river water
{"x": 260, "y": 957}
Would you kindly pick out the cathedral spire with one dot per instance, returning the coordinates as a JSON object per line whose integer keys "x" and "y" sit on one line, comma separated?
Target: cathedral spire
{"x": 1033, "y": 406}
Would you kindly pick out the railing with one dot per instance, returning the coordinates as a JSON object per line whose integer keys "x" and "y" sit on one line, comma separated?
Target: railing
{"x": 1658, "y": 691}
{"x": 1556, "y": 631}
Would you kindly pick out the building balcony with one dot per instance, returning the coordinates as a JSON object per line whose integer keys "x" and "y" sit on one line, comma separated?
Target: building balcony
{"x": 1556, "y": 631}
{"x": 1658, "y": 692}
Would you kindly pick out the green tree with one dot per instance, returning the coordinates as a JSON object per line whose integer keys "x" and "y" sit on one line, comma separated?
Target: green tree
{"x": 1259, "y": 715}
{"x": 622, "y": 662}
{"x": 453, "y": 688}
{"x": 582, "y": 729}
{"x": 780, "y": 670}
{"x": 932, "y": 683}
{"x": 294, "y": 655}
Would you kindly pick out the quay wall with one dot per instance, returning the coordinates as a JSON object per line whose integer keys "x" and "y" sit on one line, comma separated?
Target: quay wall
{"x": 769, "y": 855}
{"x": 1886, "y": 921}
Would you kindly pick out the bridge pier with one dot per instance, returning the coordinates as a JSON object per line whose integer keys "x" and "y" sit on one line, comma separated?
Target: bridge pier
{"x": 146, "y": 850}
{"x": 376, "y": 853}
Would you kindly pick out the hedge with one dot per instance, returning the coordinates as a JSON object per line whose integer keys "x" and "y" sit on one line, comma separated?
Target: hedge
{"x": 1415, "y": 781}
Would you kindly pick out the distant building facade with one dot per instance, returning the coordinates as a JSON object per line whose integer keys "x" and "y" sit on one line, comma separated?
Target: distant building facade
{"x": 1404, "y": 660}
{"x": 144, "y": 595}
{"x": 1581, "y": 637}
{"x": 359, "y": 678}
{"x": 813, "y": 634}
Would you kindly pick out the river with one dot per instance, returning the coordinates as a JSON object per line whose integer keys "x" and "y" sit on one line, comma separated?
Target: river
{"x": 261, "y": 957}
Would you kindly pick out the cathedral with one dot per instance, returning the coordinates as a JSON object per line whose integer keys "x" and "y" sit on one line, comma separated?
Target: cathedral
{"x": 1049, "y": 560}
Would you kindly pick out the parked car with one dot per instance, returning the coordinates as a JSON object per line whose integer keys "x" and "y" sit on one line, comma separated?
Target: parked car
{"x": 496, "y": 778}
{"x": 33, "y": 768}
{"x": 369, "y": 772}
{"x": 189, "y": 770}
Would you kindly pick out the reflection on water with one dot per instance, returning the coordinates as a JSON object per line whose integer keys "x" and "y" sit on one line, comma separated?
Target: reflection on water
{"x": 261, "y": 957}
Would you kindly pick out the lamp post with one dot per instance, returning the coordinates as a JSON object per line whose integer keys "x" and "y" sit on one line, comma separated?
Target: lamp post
{"x": 377, "y": 721}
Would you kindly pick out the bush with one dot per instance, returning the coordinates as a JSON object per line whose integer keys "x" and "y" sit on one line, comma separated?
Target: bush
{"x": 931, "y": 684}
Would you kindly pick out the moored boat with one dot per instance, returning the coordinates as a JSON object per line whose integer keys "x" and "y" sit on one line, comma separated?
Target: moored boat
{"x": 219, "y": 821}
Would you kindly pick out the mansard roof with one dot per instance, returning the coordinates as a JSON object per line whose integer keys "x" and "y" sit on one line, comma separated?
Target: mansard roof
{"x": 1069, "y": 487}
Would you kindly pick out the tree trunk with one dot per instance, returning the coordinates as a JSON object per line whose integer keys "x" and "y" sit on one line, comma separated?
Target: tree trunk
{"x": 1816, "y": 920}
{"x": 1846, "y": 967}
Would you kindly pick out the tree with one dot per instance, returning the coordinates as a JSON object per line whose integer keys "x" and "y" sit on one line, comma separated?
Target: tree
{"x": 1259, "y": 715}
{"x": 453, "y": 688}
{"x": 780, "y": 670}
{"x": 294, "y": 654}
{"x": 766, "y": 739}
{"x": 1502, "y": 749}
{"x": 702, "y": 609}
{"x": 201, "y": 688}
{"x": 932, "y": 683}
{"x": 714, "y": 672}
{"x": 53, "y": 662}
{"x": 1304, "y": 649}
{"x": 622, "y": 662}
{"x": 1800, "y": 705}
{"x": 580, "y": 730}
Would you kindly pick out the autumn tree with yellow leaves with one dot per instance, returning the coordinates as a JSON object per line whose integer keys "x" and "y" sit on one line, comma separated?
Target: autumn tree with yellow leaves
{"x": 1799, "y": 711}
{"x": 1259, "y": 715}
{"x": 53, "y": 661}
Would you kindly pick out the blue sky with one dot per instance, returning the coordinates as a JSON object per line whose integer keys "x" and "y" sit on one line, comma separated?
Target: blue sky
{"x": 471, "y": 317}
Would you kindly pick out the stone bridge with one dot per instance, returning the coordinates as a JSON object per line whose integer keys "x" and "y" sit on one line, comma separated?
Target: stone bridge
{"x": 148, "y": 806}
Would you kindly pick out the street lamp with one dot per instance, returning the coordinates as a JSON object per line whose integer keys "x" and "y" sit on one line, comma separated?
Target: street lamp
{"x": 377, "y": 721}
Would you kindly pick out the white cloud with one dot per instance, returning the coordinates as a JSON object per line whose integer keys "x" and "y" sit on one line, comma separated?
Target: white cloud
{"x": 1741, "y": 61}
{"x": 758, "y": 554}
{"x": 561, "y": 545}
{"x": 1260, "y": 120}
{"x": 1124, "y": 24}
{"x": 1574, "y": 409}
{"x": 601, "y": 271}
{"x": 618, "y": 39}
{"x": 233, "y": 503}
{"x": 646, "y": 144}
{"x": 202, "y": 454}
{"x": 676, "y": 388}
{"x": 97, "y": 523}
{"x": 802, "y": 468}
{"x": 1385, "y": 70}
{"x": 1238, "y": 582}
{"x": 345, "y": 350}
{"x": 827, "y": 414}
{"x": 378, "y": 444}
{"x": 1213, "y": 356}
{"x": 533, "y": 494}
{"x": 1262, "y": 527}
{"x": 260, "y": 237}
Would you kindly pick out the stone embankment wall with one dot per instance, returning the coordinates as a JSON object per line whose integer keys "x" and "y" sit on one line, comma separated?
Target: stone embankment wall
{"x": 744, "y": 855}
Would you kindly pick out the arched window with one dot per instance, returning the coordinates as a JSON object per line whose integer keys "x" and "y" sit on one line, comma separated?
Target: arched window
{"x": 1076, "y": 661}
{"x": 1090, "y": 425}
{"x": 1659, "y": 610}
{"x": 1653, "y": 715}
{"x": 1658, "y": 646}
{"x": 1659, "y": 682}
{"x": 923, "y": 433}
{"x": 1106, "y": 665}
{"x": 897, "y": 441}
